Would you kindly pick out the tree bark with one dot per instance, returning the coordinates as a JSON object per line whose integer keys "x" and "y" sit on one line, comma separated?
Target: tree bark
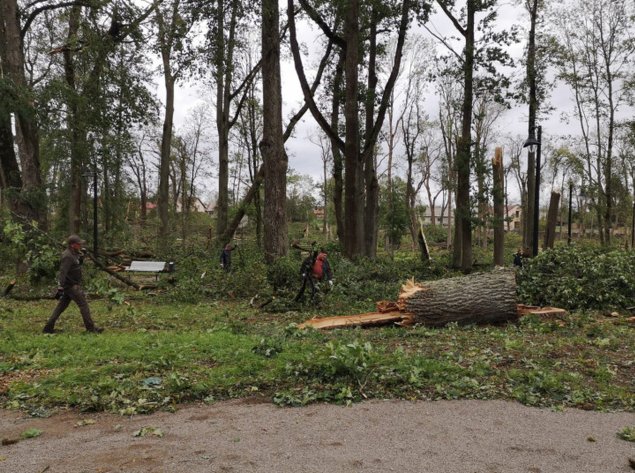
{"x": 464, "y": 148}
{"x": 477, "y": 298}
{"x": 353, "y": 165}
{"x": 499, "y": 207}
{"x": 552, "y": 218}
{"x": 27, "y": 135}
{"x": 338, "y": 190}
{"x": 272, "y": 145}
{"x": 528, "y": 228}
{"x": 371, "y": 208}
{"x": 10, "y": 180}
{"x": 166, "y": 44}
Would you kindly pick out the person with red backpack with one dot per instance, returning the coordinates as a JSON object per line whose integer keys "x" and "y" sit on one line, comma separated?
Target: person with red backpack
{"x": 314, "y": 268}
{"x": 322, "y": 269}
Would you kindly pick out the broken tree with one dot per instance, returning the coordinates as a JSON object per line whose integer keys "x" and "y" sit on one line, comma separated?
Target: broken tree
{"x": 477, "y": 298}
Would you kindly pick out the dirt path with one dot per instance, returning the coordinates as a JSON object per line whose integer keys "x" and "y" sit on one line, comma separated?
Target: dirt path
{"x": 377, "y": 436}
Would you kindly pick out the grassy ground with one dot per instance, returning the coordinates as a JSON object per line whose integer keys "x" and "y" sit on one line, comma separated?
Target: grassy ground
{"x": 156, "y": 353}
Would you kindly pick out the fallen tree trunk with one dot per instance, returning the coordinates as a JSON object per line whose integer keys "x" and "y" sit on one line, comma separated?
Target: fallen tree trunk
{"x": 477, "y": 298}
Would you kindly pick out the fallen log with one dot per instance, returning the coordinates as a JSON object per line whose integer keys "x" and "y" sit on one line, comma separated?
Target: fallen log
{"x": 477, "y": 298}
{"x": 360, "y": 320}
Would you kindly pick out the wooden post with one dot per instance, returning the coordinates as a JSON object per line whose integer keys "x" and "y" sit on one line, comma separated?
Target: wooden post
{"x": 552, "y": 217}
{"x": 499, "y": 207}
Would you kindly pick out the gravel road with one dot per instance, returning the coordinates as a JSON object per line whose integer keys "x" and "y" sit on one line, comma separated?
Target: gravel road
{"x": 375, "y": 436}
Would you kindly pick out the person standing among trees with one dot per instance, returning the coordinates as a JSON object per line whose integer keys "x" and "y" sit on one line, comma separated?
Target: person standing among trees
{"x": 315, "y": 268}
{"x": 69, "y": 289}
{"x": 226, "y": 257}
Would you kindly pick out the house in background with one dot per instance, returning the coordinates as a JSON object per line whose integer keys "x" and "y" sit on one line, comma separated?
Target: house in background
{"x": 513, "y": 215}
{"x": 514, "y": 218}
{"x": 438, "y": 218}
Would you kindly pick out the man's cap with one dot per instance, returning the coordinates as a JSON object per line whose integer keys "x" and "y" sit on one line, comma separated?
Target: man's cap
{"x": 74, "y": 239}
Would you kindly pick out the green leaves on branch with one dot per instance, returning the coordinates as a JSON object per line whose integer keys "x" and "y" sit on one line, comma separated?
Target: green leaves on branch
{"x": 578, "y": 278}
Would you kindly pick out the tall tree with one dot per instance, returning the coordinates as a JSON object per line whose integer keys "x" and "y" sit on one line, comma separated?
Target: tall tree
{"x": 227, "y": 41}
{"x": 487, "y": 55}
{"x": 272, "y": 144}
{"x": 597, "y": 47}
{"x": 31, "y": 194}
{"x": 172, "y": 30}
{"x": 358, "y": 156}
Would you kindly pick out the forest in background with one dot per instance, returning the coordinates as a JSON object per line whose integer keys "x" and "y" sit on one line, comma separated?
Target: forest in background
{"x": 85, "y": 139}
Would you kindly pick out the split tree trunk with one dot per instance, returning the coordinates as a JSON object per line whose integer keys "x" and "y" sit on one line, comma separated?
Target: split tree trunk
{"x": 552, "y": 220}
{"x": 478, "y": 298}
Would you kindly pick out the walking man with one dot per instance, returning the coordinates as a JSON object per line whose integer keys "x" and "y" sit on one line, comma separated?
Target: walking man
{"x": 70, "y": 280}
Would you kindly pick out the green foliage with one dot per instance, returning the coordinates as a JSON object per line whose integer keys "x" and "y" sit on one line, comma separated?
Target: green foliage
{"x": 578, "y": 278}
{"x": 31, "y": 247}
{"x": 284, "y": 274}
{"x": 31, "y": 433}
{"x": 199, "y": 276}
{"x": 627, "y": 433}
{"x": 393, "y": 212}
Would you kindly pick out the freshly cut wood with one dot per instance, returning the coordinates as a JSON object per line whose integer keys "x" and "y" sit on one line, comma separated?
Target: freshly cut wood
{"x": 476, "y": 298}
{"x": 365, "y": 320}
{"x": 543, "y": 311}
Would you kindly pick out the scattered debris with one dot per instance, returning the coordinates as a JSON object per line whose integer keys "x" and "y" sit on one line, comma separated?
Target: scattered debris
{"x": 84, "y": 422}
{"x": 148, "y": 431}
{"x": 9, "y": 441}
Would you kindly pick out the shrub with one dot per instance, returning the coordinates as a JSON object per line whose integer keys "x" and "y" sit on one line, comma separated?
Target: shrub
{"x": 577, "y": 278}
{"x": 33, "y": 248}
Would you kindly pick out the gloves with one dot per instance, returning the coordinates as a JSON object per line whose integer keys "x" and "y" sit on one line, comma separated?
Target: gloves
{"x": 331, "y": 283}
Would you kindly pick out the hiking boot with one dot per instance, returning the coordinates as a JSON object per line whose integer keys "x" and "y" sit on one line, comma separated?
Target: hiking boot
{"x": 51, "y": 330}
{"x": 96, "y": 330}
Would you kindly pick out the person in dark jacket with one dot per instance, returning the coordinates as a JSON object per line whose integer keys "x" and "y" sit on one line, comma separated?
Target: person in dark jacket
{"x": 314, "y": 268}
{"x": 226, "y": 257}
{"x": 70, "y": 280}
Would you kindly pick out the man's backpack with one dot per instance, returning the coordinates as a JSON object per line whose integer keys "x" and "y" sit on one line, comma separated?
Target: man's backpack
{"x": 318, "y": 268}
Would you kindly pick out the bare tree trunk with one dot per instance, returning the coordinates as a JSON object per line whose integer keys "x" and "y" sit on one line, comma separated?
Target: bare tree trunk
{"x": 32, "y": 192}
{"x": 76, "y": 126}
{"x": 370, "y": 172}
{"x": 272, "y": 145}
{"x": 353, "y": 186}
{"x": 224, "y": 78}
{"x": 166, "y": 44}
{"x": 499, "y": 208}
{"x": 528, "y": 229}
{"x": 552, "y": 218}
{"x": 465, "y": 141}
{"x": 338, "y": 190}
{"x": 10, "y": 180}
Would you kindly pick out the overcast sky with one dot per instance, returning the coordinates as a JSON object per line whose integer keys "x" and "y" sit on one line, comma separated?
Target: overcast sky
{"x": 304, "y": 156}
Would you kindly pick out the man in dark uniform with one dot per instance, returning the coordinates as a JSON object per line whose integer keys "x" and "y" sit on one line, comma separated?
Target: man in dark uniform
{"x": 70, "y": 279}
{"x": 226, "y": 257}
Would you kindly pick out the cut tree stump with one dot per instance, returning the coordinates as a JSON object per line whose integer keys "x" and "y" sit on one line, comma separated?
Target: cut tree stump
{"x": 477, "y": 298}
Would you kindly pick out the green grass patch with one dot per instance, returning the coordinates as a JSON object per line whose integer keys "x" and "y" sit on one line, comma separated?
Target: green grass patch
{"x": 157, "y": 353}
